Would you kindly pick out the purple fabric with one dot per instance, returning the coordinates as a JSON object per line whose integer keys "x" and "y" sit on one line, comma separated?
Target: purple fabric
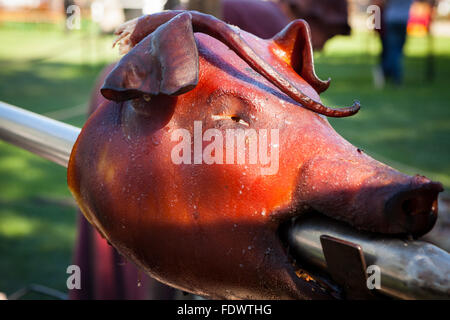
{"x": 262, "y": 18}
{"x": 326, "y": 18}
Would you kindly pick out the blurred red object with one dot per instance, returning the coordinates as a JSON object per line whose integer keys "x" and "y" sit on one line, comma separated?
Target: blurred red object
{"x": 419, "y": 19}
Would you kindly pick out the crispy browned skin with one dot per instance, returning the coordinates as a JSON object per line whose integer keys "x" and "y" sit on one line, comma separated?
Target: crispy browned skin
{"x": 211, "y": 229}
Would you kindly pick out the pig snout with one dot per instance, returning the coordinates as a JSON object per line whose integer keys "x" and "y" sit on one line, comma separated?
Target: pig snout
{"x": 413, "y": 206}
{"x": 369, "y": 195}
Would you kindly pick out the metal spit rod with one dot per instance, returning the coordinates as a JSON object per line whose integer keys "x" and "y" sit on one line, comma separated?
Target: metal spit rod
{"x": 409, "y": 269}
{"x": 48, "y": 138}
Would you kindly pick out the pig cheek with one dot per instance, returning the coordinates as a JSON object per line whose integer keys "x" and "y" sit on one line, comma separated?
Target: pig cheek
{"x": 139, "y": 198}
{"x": 210, "y": 212}
{"x": 100, "y": 193}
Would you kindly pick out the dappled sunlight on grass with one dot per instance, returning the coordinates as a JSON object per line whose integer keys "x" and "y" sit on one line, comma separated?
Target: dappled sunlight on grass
{"x": 47, "y": 86}
{"x": 86, "y": 46}
{"x": 35, "y": 244}
{"x": 24, "y": 174}
{"x": 12, "y": 225}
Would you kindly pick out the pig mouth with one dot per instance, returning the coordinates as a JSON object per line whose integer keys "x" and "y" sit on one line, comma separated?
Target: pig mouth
{"x": 302, "y": 271}
{"x": 409, "y": 212}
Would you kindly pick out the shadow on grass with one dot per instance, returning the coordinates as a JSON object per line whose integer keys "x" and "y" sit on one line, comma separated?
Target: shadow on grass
{"x": 36, "y": 242}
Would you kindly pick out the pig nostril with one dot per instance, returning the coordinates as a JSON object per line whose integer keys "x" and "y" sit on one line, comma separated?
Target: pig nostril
{"x": 419, "y": 205}
{"x": 414, "y": 209}
{"x": 434, "y": 207}
{"x": 407, "y": 207}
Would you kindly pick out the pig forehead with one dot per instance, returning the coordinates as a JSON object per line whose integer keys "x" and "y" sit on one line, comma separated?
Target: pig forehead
{"x": 221, "y": 68}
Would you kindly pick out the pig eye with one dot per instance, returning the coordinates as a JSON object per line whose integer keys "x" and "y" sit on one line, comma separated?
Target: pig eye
{"x": 234, "y": 118}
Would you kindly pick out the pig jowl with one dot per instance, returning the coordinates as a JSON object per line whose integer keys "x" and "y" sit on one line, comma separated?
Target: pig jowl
{"x": 211, "y": 229}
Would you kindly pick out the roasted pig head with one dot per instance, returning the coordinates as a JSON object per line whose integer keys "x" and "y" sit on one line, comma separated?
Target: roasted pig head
{"x": 209, "y": 140}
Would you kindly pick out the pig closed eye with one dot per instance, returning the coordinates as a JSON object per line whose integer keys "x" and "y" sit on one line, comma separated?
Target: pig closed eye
{"x": 234, "y": 118}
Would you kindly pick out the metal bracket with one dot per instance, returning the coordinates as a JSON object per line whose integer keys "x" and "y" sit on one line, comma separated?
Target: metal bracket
{"x": 347, "y": 266}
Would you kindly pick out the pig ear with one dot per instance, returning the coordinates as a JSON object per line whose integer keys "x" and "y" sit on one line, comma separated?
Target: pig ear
{"x": 295, "y": 40}
{"x": 164, "y": 62}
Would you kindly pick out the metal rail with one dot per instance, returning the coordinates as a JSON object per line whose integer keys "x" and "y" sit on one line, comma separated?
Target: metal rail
{"x": 409, "y": 269}
{"x": 48, "y": 138}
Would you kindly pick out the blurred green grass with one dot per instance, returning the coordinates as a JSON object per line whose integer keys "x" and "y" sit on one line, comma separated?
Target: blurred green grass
{"x": 407, "y": 127}
{"x": 44, "y": 70}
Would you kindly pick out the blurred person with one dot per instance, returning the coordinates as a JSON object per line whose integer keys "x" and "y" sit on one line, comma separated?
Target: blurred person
{"x": 419, "y": 24}
{"x": 394, "y": 21}
{"x": 420, "y": 18}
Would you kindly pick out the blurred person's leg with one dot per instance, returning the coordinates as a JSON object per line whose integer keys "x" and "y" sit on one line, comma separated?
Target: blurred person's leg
{"x": 379, "y": 77}
{"x": 395, "y": 35}
{"x": 398, "y": 42}
{"x": 387, "y": 54}
{"x": 379, "y": 72}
